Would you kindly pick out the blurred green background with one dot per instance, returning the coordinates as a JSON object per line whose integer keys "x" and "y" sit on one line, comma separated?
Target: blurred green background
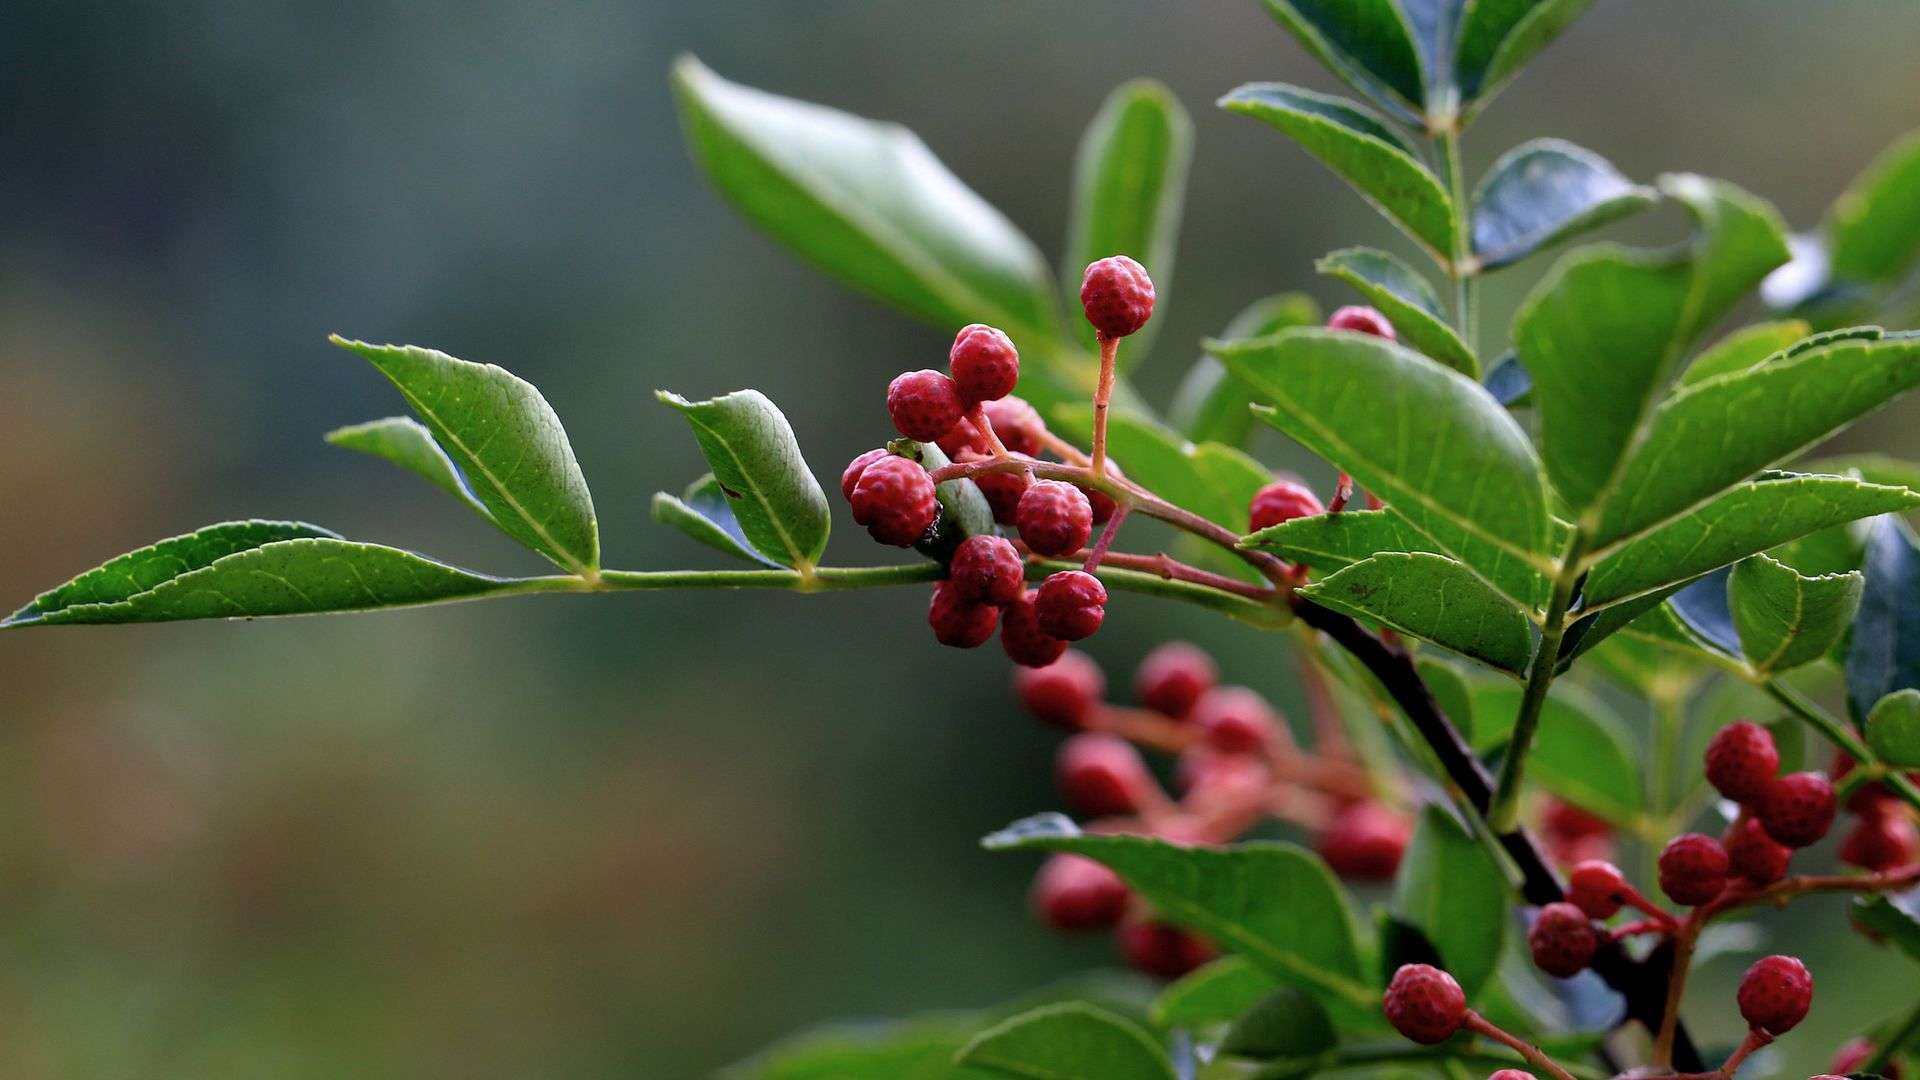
{"x": 636, "y": 835}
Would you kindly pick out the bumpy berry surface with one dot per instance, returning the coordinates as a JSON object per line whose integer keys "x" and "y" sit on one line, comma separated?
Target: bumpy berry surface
{"x": 1693, "y": 868}
{"x": 1363, "y": 320}
{"x": 1741, "y": 761}
{"x": 1752, "y": 855}
{"x": 924, "y": 404}
{"x": 1234, "y": 719}
{"x": 1117, "y": 296}
{"x": 1101, "y": 775}
{"x": 1063, "y": 693}
{"x": 1562, "y": 940}
{"x": 894, "y": 499}
{"x": 1073, "y": 892}
{"x": 984, "y": 363}
{"x": 1797, "y": 809}
{"x": 858, "y": 465}
{"x": 1173, "y": 677}
{"x": 1364, "y": 842}
{"x": 987, "y": 570}
{"x": 1597, "y": 888}
{"x": 1017, "y": 424}
{"x": 1021, "y": 637}
{"x": 958, "y": 621}
{"x": 1424, "y": 1003}
{"x": 1775, "y": 994}
{"x": 1880, "y": 841}
{"x": 1159, "y": 949}
{"x": 1053, "y": 518}
{"x": 1282, "y": 500}
{"x": 1071, "y": 605}
{"x": 1003, "y": 491}
{"x": 961, "y": 441}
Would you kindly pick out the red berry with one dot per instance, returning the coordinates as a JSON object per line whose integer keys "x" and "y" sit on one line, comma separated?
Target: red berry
{"x": 1063, "y": 693}
{"x": 1117, "y": 295}
{"x": 894, "y": 499}
{"x": 1053, "y": 518}
{"x": 1693, "y": 868}
{"x": 1741, "y": 761}
{"x": 1424, "y": 1004}
{"x": 984, "y": 363}
{"x": 1754, "y": 856}
{"x": 1775, "y": 994}
{"x": 1883, "y": 841}
{"x": 1511, "y": 1074}
{"x": 1017, "y": 425}
{"x": 987, "y": 570}
{"x": 1072, "y": 892}
{"x": 1234, "y": 719}
{"x": 857, "y": 466}
{"x": 1854, "y": 1053}
{"x": 1567, "y": 821}
{"x": 1159, "y": 949}
{"x": 1365, "y": 842}
{"x": 1020, "y": 635}
{"x": 1282, "y": 500}
{"x": 1101, "y": 775}
{"x": 1363, "y": 320}
{"x": 1597, "y": 888}
{"x": 1003, "y": 491}
{"x": 1173, "y": 677}
{"x": 924, "y": 404}
{"x": 958, "y": 621}
{"x": 1071, "y": 605}
{"x": 1562, "y": 940}
{"x": 1797, "y": 809}
{"x": 1864, "y": 799}
{"x": 962, "y": 440}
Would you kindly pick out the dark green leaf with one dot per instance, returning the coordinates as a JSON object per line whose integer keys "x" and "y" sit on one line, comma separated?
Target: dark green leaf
{"x": 1331, "y": 541}
{"x": 751, "y": 449}
{"x": 1498, "y": 37}
{"x": 1701, "y": 609}
{"x": 1450, "y": 691}
{"x": 405, "y": 442}
{"x": 1407, "y": 300}
{"x": 1212, "y": 405}
{"x": 1217, "y": 992}
{"x": 1434, "y": 598}
{"x": 1543, "y": 193}
{"x": 1744, "y": 348}
{"x": 1785, "y": 620}
{"x": 1895, "y": 918}
{"x": 1285, "y": 1023}
{"x": 1451, "y": 888}
{"x": 1365, "y": 42}
{"x": 704, "y": 513}
{"x": 1883, "y": 651}
{"x": 1357, "y": 144}
{"x": 1582, "y": 751}
{"x": 1068, "y": 1040}
{"x": 1509, "y": 382}
{"x": 1874, "y": 229}
{"x": 1129, "y": 186}
{"x": 506, "y": 441}
{"x": 1893, "y": 729}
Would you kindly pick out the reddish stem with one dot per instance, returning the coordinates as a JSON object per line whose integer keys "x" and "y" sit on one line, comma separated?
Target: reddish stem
{"x": 978, "y": 418}
{"x": 1102, "y": 396}
{"x": 1106, "y": 538}
{"x": 1480, "y": 1025}
{"x": 1342, "y": 492}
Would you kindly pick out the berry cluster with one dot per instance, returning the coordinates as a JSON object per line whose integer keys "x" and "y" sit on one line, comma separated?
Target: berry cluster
{"x": 1883, "y": 836}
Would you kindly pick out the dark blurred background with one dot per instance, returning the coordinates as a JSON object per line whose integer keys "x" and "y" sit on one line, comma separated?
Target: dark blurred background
{"x": 633, "y": 835}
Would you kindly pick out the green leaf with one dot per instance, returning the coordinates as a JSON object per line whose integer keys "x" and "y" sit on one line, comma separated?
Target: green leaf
{"x": 1285, "y": 1023}
{"x": 1450, "y": 691}
{"x": 1212, "y": 405}
{"x": 918, "y": 1049}
{"x": 1873, "y": 468}
{"x": 1366, "y": 42}
{"x": 1745, "y": 348}
{"x": 1065, "y": 1041}
{"x": 1895, "y": 918}
{"x": 1220, "y": 991}
{"x": 1543, "y": 193}
{"x": 1332, "y": 541}
{"x": 1893, "y": 729}
{"x": 1433, "y": 598}
{"x": 1276, "y": 904}
{"x": 1129, "y": 187}
{"x": 751, "y": 449}
{"x": 1874, "y": 229}
{"x": 1407, "y": 300}
{"x": 964, "y": 509}
{"x": 405, "y": 442}
{"x": 1712, "y": 435}
{"x": 1883, "y": 651}
{"x": 507, "y": 442}
{"x": 704, "y": 513}
{"x": 315, "y": 573}
{"x": 1582, "y": 751}
{"x": 1452, "y": 890}
{"x": 1762, "y": 513}
{"x": 1232, "y": 473}
{"x": 1498, "y": 37}
{"x": 1357, "y": 143}
{"x": 1786, "y": 620}
{"x": 1425, "y": 438}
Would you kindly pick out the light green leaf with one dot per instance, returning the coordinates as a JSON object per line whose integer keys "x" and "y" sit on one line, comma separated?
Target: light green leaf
{"x": 1498, "y": 37}
{"x": 1759, "y": 514}
{"x": 1067, "y": 1041}
{"x": 405, "y": 442}
{"x": 1212, "y": 994}
{"x": 1212, "y": 405}
{"x": 1895, "y": 918}
{"x": 751, "y": 449}
{"x": 1276, "y": 904}
{"x": 963, "y": 506}
{"x": 1452, "y": 890}
{"x": 917, "y": 1049}
{"x": 1544, "y": 192}
{"x": 1873, "y": 468}
{"x": 1433, "y": 598}
{"x": 1582, "y": 751}
{"x": 1331, "y": 541}
{"x": 704, "y": 513}
{"x": 1714, "y": 434}
{"x": 1357, "y": 143}
{"x": 1129, "y": 187}
{"x": 1286, "y": 1023}
{"x": 1406, "y": 299}
{"x": 1450, "y": 691}
{"x": 1366, "y": 42}
{"x": 1235, "y": 475}
{"x": 506, "y": 441}
{"x": 1893, "y": 729}
{"x": 1874, "y": 229}
{"x": 1784, "y": 619}
{"x": 1746, "y": 347}
{"x": 1210, "y": 481}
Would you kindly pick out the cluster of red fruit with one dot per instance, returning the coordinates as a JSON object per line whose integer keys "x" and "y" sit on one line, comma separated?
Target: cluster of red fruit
{"x": 1237, "y": 765}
